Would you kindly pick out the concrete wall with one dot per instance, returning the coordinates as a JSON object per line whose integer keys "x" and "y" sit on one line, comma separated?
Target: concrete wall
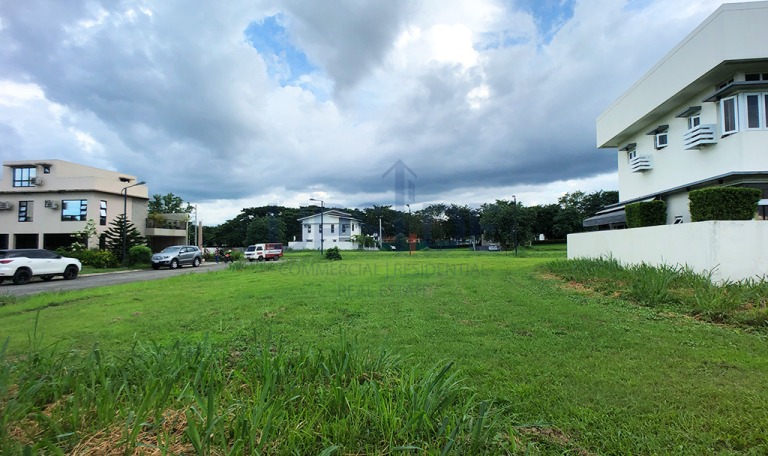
{"x": 327, "y": 244}
{"x": 735, "y": 250}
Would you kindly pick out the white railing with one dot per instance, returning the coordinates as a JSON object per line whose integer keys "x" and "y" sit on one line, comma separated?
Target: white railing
{"x": 640, "y": 163}
{"x": 699, "y": 136}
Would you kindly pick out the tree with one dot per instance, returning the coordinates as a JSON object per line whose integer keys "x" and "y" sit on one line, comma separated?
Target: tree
{"x": 507, "y": 223}
{"x": 83, "y": 236}
{"x": 265, "y": 229}
{"x": 114, "y": 236}
{"x": 168, "y": 204}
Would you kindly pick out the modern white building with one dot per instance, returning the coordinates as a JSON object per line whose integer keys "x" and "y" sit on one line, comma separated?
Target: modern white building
{"x": 42, "y": 202}
{"x": 337, "y": 230}
{"x": 698, "y": 118}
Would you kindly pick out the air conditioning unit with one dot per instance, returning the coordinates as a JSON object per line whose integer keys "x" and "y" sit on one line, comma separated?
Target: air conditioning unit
{"x": 52, "y": 204}
{"x": 37, "y": 181}
{"x": 6, "y": 205}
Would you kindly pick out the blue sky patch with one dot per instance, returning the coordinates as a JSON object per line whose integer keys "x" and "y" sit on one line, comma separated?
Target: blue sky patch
{"x": 549, "y": 15}
{"x": 284, "y": 61}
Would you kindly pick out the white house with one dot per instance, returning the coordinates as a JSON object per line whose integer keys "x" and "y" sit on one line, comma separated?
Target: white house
{"x": 698, "y": 118}
{"x": 337, "y": 230}
{"x": 42, "y": 202}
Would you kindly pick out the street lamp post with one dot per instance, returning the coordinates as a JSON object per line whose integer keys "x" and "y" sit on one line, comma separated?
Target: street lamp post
{"x": 514, "y": 228}
{"x": 410, "y": 238}
{"x": 322, "y": 210}
{"x": 124, "y": 192}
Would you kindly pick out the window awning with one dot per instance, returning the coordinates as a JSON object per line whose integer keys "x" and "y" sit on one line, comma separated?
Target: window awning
{"x": 611, "y": 218}
{"x": 659, "y": 129}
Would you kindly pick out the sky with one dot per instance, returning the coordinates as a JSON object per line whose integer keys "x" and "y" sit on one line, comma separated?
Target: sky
{"x": 239, "y": 104}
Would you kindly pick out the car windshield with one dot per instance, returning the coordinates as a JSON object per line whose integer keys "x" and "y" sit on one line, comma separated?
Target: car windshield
{"x": 172, "y": 249}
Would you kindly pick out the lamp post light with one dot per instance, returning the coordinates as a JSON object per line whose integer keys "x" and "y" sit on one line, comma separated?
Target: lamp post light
{"x": 514, "y": 227}
{"x": 124, "y": 192}
{"x": 322, "y": 209}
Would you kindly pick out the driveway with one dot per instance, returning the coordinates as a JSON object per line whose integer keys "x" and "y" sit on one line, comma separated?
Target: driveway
{"x": 102, "y": 279}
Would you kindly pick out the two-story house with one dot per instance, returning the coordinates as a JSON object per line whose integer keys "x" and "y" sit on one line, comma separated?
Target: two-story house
{"x": 698, "y": 118}
{"x": 43, "y": 202}
{"x": 336, "y": 228}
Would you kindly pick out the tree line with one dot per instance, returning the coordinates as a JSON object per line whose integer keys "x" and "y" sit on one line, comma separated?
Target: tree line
{"x": 503, "y": 221}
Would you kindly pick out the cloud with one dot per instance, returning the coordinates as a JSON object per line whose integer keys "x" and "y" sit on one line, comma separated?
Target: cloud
{"x": 242, "y": 103}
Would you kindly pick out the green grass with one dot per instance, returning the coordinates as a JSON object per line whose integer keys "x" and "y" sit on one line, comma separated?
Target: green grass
{"x": 549, "y": 368}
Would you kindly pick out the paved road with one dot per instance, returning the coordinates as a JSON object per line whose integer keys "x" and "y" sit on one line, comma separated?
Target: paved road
{"x": 100, "y": 280}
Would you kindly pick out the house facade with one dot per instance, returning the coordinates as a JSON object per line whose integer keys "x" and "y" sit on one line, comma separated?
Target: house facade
{"x": 337, "y": 229}
{"x": 698, "y": 118}
{"x": 42, "y": 202}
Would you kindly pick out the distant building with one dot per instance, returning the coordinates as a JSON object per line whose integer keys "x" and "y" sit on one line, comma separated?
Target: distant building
{"x": 337, "y": 230}
{"x": 698, "y": 118}
{"x": 42, "y": 202}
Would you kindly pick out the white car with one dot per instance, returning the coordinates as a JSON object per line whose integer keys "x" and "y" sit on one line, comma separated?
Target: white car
{"x": 20, "y": 265}
{"x": 494, "y": 247}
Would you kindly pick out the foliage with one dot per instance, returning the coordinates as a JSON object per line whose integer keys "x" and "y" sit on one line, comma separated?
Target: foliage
{"x": 363, "y": 240}
{"x": 83, "y": 236}
{"x": 96, "y": 258}
{"x": 646, "y": 213}
{"x": 333, "y": 254}
{"x": 118, "y": 228}
{"x": 401, "y": 242}
{"x": 168, "y": 204}
{"x": 265, "y": 229}
{"x": 507, "y": 223}
{"x": 723, "y": 203}
{"x": 139, "y": 254}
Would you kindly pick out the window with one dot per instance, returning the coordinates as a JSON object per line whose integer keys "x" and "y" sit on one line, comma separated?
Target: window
{"x": 309, "y": 228}
{"x": 678, "y": 219}
{"x": 751, "y": 77}
{"x": 755, "y": 105}
{"x": 102, "y": 212}
{"x": 728, "y": 115}
{"x": 74, "y": 210}
{"x": 333, "y": 228}
{"x": 694, "y": 121}
{"x": 25, "y": 211}
{"x": 47, "y": 169}
{"x": 344, "y": 227}
{"x": 631, "y": 154}
{"x": 24, "y": 177}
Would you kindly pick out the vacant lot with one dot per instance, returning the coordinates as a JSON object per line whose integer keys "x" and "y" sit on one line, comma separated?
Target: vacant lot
{"x": 566, "y": 369}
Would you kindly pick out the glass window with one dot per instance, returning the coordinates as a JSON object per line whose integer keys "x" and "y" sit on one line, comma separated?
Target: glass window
{"x": 102, "y": 212}
{"x": 333, "y": 228}
{"x": 728, "y": 115}
{"x": 309, "y": 228}
{"x": 24, "y": 177}
{"x": 753, "y": 110}
{"x": 660, "y": 140}
{"x": 694, "y": 121}
{"x": 74, "y": 210}
{"x": 25, "y": 211}
{"x": 632, "y": 153}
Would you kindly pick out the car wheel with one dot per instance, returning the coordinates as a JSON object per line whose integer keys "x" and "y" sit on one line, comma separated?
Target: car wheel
{"x": 155, "y": 267}
{"x": 70, "y": 272}
{"x": 46, "y": 278}
{"x": 174, "y": 263}
{"x": 22, "y": 277}
{"x": 196, "y": 262}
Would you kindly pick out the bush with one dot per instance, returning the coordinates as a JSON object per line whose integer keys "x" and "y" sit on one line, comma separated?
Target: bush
{"x": 139, "y": 254}
{"x": 723, "y": 203}
{"x": 94, "y": 258}
{"x": 333, "y": 254}
{"x": 646, "y": 213}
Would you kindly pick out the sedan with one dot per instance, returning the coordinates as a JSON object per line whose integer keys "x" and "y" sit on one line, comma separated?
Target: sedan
{"x": 20, "y": 265}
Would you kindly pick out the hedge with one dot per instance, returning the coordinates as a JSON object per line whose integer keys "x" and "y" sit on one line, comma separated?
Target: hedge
{"x": 646, "y": 213}
{"x": 723, "y": 203}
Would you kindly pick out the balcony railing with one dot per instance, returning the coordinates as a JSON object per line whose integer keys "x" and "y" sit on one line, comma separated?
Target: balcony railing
{"x": 167, "y": 224}
{"x": 698, "y": 136}
{"x": 640, "y": 163}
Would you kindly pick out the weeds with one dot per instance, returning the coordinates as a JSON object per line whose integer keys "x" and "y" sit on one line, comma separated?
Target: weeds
{"x": 213, "y": 400}
{"x": 742, "y": 303}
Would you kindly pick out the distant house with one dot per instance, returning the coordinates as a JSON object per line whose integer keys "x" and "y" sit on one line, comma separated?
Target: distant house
{"x": 42, "y": 202}
{"x": 698, "y": 118}
{"x": 337, "y": 230}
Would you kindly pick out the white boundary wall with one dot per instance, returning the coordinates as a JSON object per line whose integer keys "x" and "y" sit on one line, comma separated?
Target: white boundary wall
{"x": 342, "y": 245}
{"x": 734, "y": 250}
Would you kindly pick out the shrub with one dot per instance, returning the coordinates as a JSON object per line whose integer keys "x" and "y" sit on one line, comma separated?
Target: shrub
{"x": 646, "y": 213}
{"x": 94, "y": 257}
{"x": 333, "y": 254}
{"x": 139, "y": 254}
{"x": 723, "y": 203}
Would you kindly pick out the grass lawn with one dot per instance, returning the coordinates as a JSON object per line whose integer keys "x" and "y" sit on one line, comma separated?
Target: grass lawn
{"x": 567, "y": 370}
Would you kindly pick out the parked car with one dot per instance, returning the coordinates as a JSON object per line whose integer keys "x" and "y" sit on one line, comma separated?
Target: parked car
{"x": 177, "y": 256}
{"x": 494, "y": 247}
{"x": 20, "y": 265}
{"x": 262, "y": 252}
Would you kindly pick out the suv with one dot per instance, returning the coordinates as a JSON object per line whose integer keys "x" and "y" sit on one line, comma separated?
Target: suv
{"x": 177, "y": 256}
{"x": 22, "y": 264}
{"x": 262, "y": 252}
